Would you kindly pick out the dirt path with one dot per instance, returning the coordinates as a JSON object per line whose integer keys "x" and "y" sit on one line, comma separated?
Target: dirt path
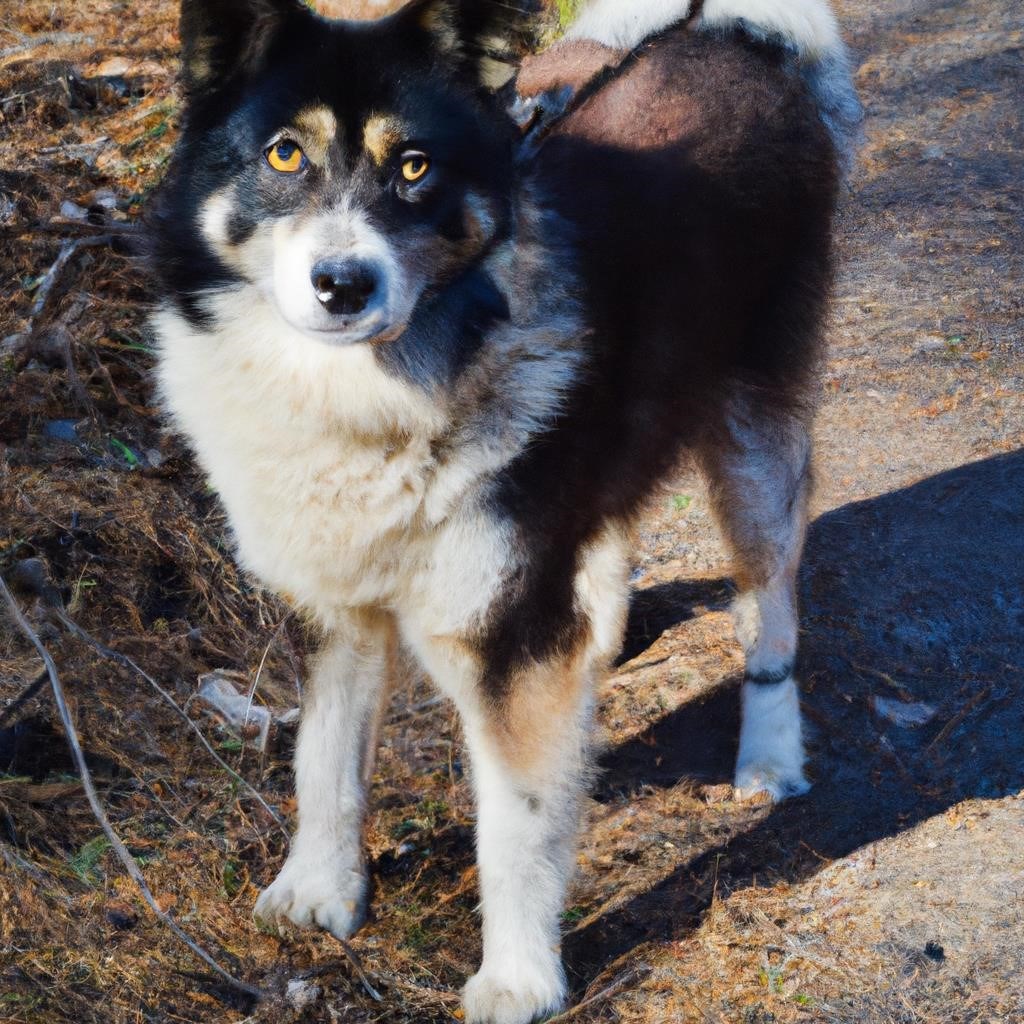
{"x": 893, "y": 892}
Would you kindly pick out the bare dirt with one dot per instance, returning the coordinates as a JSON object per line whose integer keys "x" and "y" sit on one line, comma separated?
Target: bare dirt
{"x": 893, "y": 892}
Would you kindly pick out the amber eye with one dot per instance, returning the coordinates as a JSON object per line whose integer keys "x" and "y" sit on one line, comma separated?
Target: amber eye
{"x": 415, "y": 166}
{"x": 286, "y": 157}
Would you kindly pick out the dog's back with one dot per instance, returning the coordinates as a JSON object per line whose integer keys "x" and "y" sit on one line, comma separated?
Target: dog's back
{"x": 699, "y": 182}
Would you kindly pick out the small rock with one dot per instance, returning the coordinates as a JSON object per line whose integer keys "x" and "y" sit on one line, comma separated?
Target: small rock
{"x": 289, "y": 717}
{"x": 220, "y": 690}
{"x": 302, "y": 993}
{"x": 103, "y": 198}
{"x": 62, "y": 430}
{"x": 906, "y": 716}
{"x": 72, "y": 211}
{"x": 121, "y": 915}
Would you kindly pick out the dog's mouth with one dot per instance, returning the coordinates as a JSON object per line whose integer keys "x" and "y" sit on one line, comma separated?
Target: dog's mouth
{"x": 374, "y": 330}
{"x": 378, "y": 324}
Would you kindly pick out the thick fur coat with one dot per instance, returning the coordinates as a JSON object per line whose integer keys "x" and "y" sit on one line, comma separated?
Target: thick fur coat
{"x": 433, "y": 373}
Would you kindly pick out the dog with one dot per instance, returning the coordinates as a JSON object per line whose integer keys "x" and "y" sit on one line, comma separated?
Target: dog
{"x": 433, "y": 369}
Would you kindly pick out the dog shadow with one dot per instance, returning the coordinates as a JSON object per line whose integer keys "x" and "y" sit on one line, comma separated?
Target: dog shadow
{"x": 916, "y": 597}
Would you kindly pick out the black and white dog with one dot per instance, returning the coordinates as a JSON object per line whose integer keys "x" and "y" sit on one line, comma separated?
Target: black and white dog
{"x": 433, "y": 380}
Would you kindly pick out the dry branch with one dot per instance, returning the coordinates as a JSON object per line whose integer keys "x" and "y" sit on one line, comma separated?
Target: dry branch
{"x": 97, "y": 807}
{"x": 632, "y": 975}
{"x": 64, "y": 257}
{"x": 357, "y": 966}
{"x": 29, "y": 43}
{"x": 125, "y": 662}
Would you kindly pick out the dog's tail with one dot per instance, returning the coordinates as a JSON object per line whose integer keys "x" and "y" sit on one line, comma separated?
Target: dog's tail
{"x": 807, "y": 28}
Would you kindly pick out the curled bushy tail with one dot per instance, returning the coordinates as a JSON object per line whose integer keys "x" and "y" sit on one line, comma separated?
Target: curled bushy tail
{"x": 830, "y": 79}
{"x": 807, "y": 28}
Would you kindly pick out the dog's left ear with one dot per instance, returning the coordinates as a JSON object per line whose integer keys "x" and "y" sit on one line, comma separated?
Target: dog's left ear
{"x": 221, "y": 39}
{"x": 487, "y": 38}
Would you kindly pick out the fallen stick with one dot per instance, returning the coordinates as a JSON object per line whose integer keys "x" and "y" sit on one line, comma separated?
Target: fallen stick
{"x": 633, "y": 974}
{"x": 64, "y": 226}
{"x": 97, "y": 807}
{"x": 958, "y": 718}
{"x": 125, "y": 662}
{"x": 357, "y": 966}
{"x": 50, "y": 278}
{"x": 45, "y": 39}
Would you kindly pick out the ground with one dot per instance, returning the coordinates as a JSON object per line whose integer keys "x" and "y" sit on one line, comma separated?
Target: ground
{"x": 892, "y": 892}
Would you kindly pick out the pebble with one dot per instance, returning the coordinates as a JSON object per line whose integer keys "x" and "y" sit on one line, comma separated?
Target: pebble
{"x": 302, "y": 993}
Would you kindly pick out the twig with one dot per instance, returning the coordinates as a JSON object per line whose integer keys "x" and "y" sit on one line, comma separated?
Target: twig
{"x": 50, "y": 278}
{"x": 46, "y": 39}
{"x": 899, "y": 688}
{"x": 126, "y": 662}
{"x": 263, "y": 661}
{"x": 26, "y": 695}
{"x": 67, "y": 251}
{"x": 14, "y": 860}
{"x": 958, "y": 718}
{"x": 360, "y": 973}
{"x": 414, "y": 709}
{"x": 63, "y": 226}
{"x": 633, "y": 974}
{"x": 256, "y": 681}
{"x": 97, "y": 807}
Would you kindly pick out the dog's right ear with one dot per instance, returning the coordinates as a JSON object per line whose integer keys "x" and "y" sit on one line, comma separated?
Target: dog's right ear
{"x": 485, "y": 37}
{"x": 223, "y": 38}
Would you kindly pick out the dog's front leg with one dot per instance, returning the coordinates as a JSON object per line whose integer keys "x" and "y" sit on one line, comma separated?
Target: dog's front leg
{"x": 323, "y": 881}
{"x": 528, "y": 745}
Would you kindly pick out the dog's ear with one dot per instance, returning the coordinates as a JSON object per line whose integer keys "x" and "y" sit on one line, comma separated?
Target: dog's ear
{"x": 486, "y": 38}
{"x": 222, "y": 38}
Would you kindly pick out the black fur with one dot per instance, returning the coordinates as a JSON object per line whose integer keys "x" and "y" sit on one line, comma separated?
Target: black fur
{"x": 707, "y": 267}
{"x": 446, "y": 331}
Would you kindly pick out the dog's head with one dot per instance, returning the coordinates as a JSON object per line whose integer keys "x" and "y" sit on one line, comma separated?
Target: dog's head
{"x": 339, "y": 169}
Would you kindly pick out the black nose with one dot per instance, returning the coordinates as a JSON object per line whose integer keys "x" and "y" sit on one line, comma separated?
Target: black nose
{"x": 344, "y": 286}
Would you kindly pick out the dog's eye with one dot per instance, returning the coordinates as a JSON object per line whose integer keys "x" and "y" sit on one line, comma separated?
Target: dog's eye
{"x": 285, "y": 156}
{"x": 415, "y": 166}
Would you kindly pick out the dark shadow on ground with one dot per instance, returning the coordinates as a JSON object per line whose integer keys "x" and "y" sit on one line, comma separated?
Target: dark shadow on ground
{"x": 659, "y": 608}
{"x": 917, "y": 596}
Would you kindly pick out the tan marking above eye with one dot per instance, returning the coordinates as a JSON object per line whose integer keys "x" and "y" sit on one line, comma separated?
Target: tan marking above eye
{"x": 286, "y": 156}
{"x": 415, "y": 166}
{"x": 382, "y": 133}
{"x": 318, "y": 128}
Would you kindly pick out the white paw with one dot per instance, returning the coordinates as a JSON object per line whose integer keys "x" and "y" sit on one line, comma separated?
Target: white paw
{"x": 770, "y": 762}
{"x": 326, "y": 892}
{"x": 766, "y": 782}
{"x": 493, "y": 998}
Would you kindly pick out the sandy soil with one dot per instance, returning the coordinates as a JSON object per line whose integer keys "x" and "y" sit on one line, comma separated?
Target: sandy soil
{"x": 892, "y": 892}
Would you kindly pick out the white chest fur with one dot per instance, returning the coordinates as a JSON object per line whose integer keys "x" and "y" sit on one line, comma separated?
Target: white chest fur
{"x": 323, "y": 462}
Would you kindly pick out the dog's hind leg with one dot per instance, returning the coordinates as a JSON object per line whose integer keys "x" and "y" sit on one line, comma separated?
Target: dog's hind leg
{"x": 758, "y": 467}
{"x": 323, "y": 881}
